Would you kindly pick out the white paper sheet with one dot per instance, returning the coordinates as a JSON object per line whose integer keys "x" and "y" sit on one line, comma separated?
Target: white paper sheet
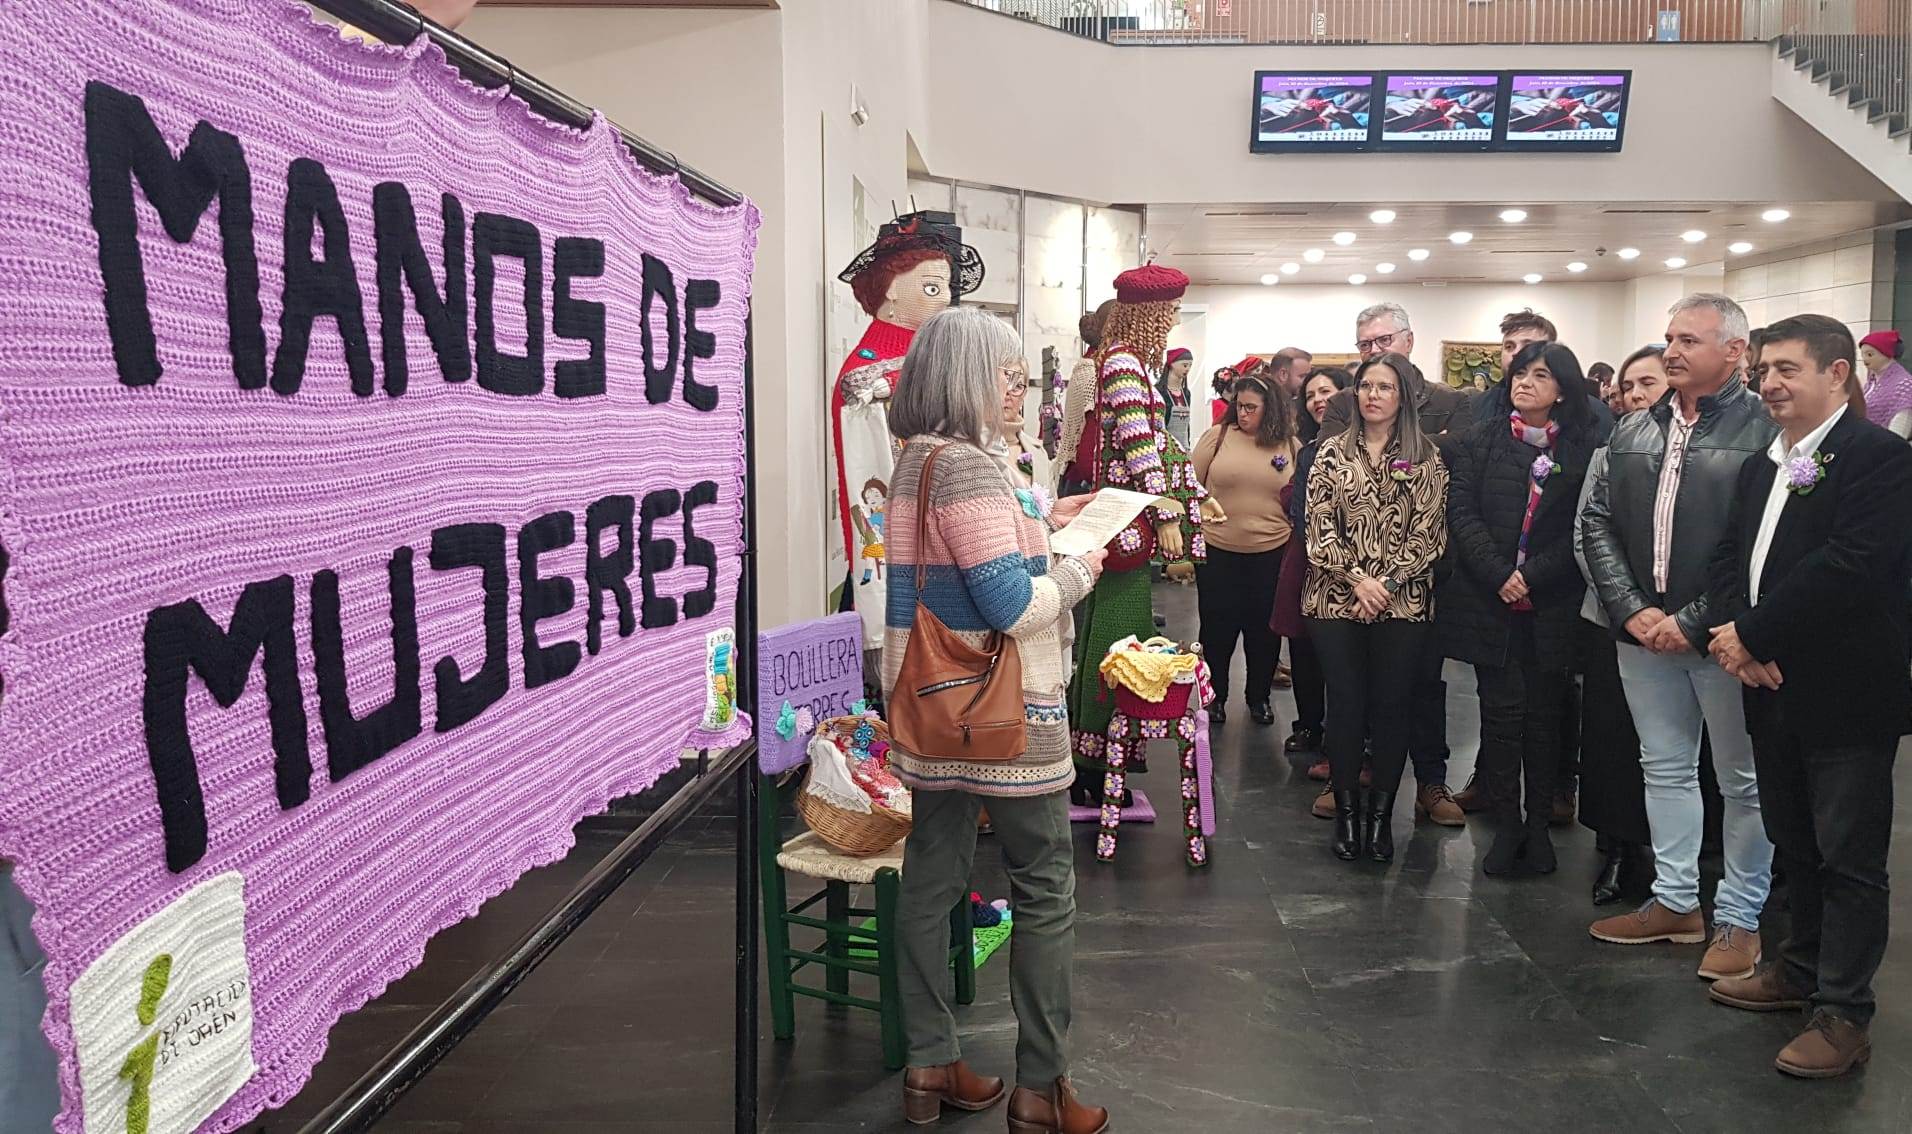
{"x": 1108, "y": 513}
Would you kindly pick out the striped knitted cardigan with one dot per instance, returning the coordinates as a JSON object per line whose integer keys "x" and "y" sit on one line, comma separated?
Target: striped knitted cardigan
{"x": 987, "y": 569}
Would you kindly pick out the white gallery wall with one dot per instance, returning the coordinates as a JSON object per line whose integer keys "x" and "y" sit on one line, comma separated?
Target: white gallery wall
{"x": 1594, "y": 319}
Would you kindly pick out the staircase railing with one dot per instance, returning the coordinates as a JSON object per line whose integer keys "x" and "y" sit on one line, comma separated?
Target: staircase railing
{"x": 1323, "y": 22}
{"x": 1861, "y": 50}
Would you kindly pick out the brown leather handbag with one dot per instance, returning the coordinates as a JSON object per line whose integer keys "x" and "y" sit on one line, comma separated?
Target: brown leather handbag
{"x": 953, "y": 701}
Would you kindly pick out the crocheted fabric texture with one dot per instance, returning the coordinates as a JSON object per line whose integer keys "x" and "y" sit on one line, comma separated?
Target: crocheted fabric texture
{"x": 371, "y": 467}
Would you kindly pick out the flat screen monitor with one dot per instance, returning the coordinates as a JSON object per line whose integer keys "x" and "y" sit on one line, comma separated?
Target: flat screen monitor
{"x": 1566, "y": 110}
{"x": 1440, "y": 111}
{"x": 1311, "y": 110}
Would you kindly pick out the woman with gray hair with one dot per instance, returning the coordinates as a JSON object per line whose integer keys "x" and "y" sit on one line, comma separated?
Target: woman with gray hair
{"x": 986, "y": 567}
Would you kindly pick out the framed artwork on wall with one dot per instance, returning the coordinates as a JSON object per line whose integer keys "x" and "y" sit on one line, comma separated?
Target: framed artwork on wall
{"x": 1470, "y": 366}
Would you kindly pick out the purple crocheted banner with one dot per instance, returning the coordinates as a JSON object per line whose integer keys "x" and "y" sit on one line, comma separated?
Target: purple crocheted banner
{"x": 371, "y": 468}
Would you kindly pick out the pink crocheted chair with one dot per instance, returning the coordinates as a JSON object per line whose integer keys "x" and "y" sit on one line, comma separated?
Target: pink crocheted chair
{"x": 1182, "y": 714}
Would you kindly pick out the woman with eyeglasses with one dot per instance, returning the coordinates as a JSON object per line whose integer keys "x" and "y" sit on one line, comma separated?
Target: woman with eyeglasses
{"x": 1245, "y": 462}
{"x": 1377, "y": 522}
{"x": 1511, "y": 606}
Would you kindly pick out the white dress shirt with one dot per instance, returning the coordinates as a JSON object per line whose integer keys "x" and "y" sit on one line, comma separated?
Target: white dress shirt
{"x": 1776, "y": 496}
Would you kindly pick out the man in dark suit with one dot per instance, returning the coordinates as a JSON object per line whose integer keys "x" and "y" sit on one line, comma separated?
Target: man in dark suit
{"x": 1808, "y": 588}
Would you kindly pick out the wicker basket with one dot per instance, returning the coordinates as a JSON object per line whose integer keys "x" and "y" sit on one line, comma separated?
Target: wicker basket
{"x": 848, "y": 831}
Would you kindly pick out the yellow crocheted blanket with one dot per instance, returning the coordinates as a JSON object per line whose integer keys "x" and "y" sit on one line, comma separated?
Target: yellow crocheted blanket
{"x": 1146, "y": 668}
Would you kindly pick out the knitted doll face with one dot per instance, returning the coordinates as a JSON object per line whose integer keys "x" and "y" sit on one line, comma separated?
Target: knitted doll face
{"x": 918, "y": 293}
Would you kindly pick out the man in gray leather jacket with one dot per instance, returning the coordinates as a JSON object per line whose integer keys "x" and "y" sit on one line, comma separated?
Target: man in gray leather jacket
{"x": 1650, "y": 526}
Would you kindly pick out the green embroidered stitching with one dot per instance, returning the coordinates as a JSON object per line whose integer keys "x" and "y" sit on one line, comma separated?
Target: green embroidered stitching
{"x": 139, "y": 1062}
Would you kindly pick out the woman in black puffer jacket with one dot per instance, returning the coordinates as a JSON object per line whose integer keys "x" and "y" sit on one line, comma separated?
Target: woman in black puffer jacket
{"x": 1511, "y": 605}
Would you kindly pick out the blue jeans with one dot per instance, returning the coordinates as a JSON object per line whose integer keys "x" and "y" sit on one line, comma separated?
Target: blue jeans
{"x": 1673, "y": 697}
{"x": 29, "y": 1084}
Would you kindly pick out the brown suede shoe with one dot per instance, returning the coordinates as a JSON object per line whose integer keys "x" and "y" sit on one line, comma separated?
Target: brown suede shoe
{"x": 1030, "y": 1113}
{"x": 1470, "y": 798}
{"x": 1734, "y": 953}
{"x": 1651, "y": 922}
{"x": 1323, "y": 805}
{"x": 1767, "y": 990}
{"x": 1828, "y": 1048}
{"x": 1434, "y": 801}
{"x": 926, "y": 1090}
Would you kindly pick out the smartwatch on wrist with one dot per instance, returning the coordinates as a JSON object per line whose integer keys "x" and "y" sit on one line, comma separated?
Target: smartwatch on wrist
{"x": 1391, "y": 584}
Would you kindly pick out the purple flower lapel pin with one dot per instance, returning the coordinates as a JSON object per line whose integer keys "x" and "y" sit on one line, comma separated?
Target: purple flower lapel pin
{"x": 1803, "y": 474}
{"x": 1543, "y": 468}
{"x": 1400, "y": 469}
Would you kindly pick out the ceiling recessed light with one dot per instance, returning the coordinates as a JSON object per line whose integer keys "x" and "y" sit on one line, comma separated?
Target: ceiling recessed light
{"x": 1460, "y": 237}
{"x": 1344, "y": 238}
{"x": 1692, "y": 236}
{"x": 1531, "y": 277}
{"x": 1313, "y": 255}
{"x": 1270, "y": 278}
{"x": 1676, "y": 262}
{"x": 1577, "y": 267}
{"x": 1290, "y": 268}
{"x": 1628, "y": 253}
{"x": 1513, "y": 216}
{"x": 1774, "y": 216}
{"x": 1417, "y": 254}
{"x": 1357, "y": 279}
{"x": 1382, "y": 216}
{"x": 1739, "y": 247}
{"x": 1385, "y": 269}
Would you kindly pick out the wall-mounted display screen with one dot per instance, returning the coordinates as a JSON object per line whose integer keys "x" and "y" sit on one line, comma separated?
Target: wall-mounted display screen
{"x": 1314, "y": 110}
{"x": 1561, "y": 110}
{"x": 1440, "y": 111}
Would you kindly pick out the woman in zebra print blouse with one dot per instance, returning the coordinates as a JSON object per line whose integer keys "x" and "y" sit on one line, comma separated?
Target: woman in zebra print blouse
{"x": 1376, "y": 525}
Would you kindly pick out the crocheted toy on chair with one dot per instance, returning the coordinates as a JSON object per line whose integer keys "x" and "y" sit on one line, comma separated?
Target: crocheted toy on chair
{"x": 1161, "y": 691}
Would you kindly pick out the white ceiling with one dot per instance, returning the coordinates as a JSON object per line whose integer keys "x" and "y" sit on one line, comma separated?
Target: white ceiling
{"x": 1238, "y": 244}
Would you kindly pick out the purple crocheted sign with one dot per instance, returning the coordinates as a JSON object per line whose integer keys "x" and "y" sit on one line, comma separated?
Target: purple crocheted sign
{"x": 371, "y": 467}
{"x": 815, "y": 665}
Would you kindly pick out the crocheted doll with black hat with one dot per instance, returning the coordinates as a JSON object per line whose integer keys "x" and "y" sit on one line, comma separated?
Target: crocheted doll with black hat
{"x": 918, "y": 266}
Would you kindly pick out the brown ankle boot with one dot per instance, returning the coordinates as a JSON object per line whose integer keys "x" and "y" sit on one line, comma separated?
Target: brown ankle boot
{"x": 1031, "y": 1113}
{"x": 926, "y": 1090}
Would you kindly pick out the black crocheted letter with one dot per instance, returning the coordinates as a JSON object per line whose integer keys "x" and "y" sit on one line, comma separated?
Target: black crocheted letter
{"x": 351, "y": 741}
{"x": 574, "y": 257}
{"x": 699, "y": 295}
{"x": 542, "y": 598}
{"x": 656, "y": 554}
{"x": 182, "y": 638}
{"x": 401, "y": 256}
{"x": 608, "y": 572}
{"x": 316, "y": 288}
{"x": 700, "y": 552}
{"x": 658, "y": 284}
{"x": 122, "y": 144}
{"x": 461, "y": 700}
{"x": 492, "y": 236}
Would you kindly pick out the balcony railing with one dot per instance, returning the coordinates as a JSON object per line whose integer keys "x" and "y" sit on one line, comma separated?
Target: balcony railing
{"x": 1862, "y": 49}
{"x": 1326, "y": 22}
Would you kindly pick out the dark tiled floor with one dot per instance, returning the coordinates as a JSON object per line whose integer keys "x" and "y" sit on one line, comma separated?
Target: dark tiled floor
{"x": 1279, "y": 990}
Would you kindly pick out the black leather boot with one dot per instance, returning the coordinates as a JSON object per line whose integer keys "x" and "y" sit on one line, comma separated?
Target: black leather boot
{"x": 1377, "y": 827}
{"x": 1510, "y": 839}
{"x": 1538, "y": 852}
{"x": 1347, "y": 833}
{"x": 1606, "y": 884}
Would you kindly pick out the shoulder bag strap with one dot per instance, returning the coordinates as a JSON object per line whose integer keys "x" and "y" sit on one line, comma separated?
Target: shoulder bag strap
{"x": 922, "y": 516}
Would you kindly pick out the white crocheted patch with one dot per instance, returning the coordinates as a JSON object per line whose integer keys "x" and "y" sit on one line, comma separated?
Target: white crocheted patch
{"x": 162, "y": 1021}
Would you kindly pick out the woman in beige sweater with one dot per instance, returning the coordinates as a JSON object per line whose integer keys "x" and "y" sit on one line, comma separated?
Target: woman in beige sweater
{"x": 1244, "y": 462}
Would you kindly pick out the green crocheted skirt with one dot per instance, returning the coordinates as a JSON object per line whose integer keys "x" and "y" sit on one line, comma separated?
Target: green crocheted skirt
{"x": 1120, "y": 605}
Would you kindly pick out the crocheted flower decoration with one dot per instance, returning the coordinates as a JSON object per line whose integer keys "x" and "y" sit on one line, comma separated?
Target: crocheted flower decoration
{"x": 1400, "y": 469}
{"x": 1129, "y": 540}
{"x": 1026, "y": 461}
{"x": 806, "y": 721}
{"x": 1543, "y": 468}
{"x": 1803, "y": 474}
{"x": 1280, "y": 462}
{"x": 1036, "y": 502}
{"x": 787, "y": 721}
{"x": 858, "y": 706}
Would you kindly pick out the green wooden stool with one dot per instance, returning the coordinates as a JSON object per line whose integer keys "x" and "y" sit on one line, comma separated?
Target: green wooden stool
{"x": 808, "y": 856}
